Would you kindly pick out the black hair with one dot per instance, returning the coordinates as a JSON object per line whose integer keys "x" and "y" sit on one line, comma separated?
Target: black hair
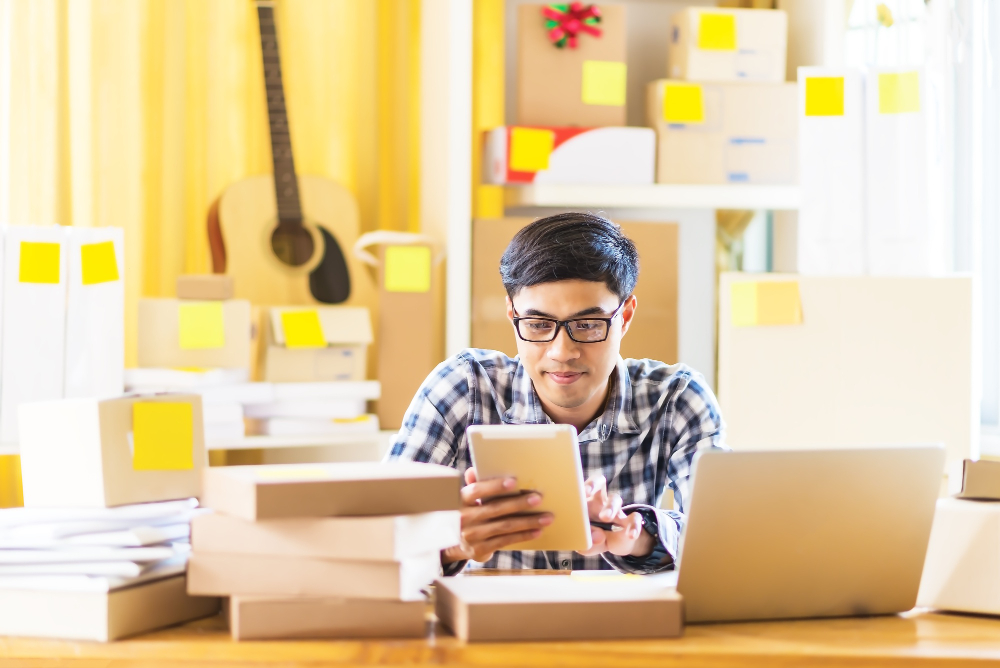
{"x": 570, "y": 246}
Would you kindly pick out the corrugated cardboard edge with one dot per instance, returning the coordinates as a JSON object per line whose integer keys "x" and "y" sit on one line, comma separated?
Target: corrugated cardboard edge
{"x": 159, "y": 604}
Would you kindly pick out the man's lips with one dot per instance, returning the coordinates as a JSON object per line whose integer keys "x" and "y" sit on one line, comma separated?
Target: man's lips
{"x": 564, "y": 377}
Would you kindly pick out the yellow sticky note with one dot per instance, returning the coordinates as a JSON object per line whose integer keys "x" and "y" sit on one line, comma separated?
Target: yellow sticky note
{"x": 201, "y": 325}
{"x": 682, "y": 103}
{"x": 743, "y": 304}
{"x": 293, "y": 473}
{"x": 898, "y": 92}
{"x": 778, "y": 303}
{"x": 99, "y": 263}
{"x": 530, "y": 149}
{"x": 407, "y": 269}
{"x": 604, "y": 83}
{"x": 39, "y": 262}
{"x": 303, "y": 329}
{"x": 824, "y": 96}
{"x": 717, "y": 32}
{"x": 162, "y": 436}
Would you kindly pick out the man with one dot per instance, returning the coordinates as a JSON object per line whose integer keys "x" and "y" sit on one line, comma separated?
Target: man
{"x": 569, "y": 281}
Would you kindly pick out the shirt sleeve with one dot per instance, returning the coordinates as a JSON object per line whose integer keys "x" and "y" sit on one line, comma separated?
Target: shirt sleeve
{"x": 692, "y": 422}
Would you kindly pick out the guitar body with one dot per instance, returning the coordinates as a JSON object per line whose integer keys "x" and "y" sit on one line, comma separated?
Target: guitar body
{"x": 247, "y": 215}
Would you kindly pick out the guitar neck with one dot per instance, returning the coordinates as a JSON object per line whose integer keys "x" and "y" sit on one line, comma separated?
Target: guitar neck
{"x": 286, "y": 186}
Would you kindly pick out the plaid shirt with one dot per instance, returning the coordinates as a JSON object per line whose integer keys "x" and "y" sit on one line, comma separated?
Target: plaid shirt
{"x": 656, "y": 418}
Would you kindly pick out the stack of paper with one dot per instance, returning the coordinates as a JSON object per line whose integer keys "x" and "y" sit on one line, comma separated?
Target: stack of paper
{"x": 329, "y": 409}
{"x": 324, "y": 550}
{"x": 96, "y": 574}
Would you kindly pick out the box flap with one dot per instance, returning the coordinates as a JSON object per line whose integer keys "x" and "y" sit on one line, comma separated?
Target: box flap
{"x": 342, "y": 325}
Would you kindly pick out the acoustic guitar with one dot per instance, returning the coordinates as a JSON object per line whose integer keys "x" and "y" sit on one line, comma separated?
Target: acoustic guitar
{"x": 283, "y": 237}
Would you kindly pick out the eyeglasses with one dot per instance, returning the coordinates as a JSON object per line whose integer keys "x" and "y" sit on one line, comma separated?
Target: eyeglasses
{"x": 581, "y": 330}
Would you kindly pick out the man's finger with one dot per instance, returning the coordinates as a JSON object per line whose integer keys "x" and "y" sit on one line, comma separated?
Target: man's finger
{"x": 612, "y": 509}
{"x": 470, "y": 475}
{"x": 623, "y": 542}
{"x": 517, "y": 505}
{"x": 501, "y": 542}
{"x": 595, "y": 485}
{"x": 475, "y": 492}
{"x": 481, "y": 533}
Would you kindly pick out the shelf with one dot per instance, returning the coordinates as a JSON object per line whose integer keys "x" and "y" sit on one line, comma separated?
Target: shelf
{"x": 654, "y": 196}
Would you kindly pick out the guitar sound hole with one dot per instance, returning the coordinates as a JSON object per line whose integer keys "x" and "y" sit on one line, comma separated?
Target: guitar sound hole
{"x": 292, "y": 243}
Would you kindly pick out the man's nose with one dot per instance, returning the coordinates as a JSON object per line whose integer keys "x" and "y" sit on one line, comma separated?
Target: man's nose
{"x": 563, "y": 347}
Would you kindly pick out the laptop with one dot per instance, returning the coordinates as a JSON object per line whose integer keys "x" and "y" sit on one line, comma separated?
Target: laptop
{"x": 807, "y": 533}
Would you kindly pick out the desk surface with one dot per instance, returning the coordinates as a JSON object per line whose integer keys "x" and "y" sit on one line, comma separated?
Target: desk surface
{"x": 915, "y": 638}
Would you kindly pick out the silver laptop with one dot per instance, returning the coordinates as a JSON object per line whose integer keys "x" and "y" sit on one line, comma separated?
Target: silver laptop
{"x": 807, "y": 533}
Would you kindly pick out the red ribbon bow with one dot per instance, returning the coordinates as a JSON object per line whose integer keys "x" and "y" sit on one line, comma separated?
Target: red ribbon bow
{"x": 566, "y": 22}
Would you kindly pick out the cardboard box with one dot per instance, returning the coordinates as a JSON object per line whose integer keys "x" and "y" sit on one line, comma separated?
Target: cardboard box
{"x": 329, "y": 343}
{"x": 977, "y": 479}
{"x": 384, "y": 538}
{"x": 829, "y": 361}
{"x": 214, "y": 574}
{"x": 101, "y": 616}
{"x": 91, "y": 453}
{"x": 520, "y": 154}
{"x": 319, "y": 490}
{"x": 95, "y": 312}
{"x": 184, "y": 334}
{"x": 962, "y": 567}
{"x": 653, "y": 333}
{"x": 582, "y": 606}
{"x": 905, "y": 227}
{"x": 715, "y": 44}
{"x": 716, "y": 133}
{"x": 205, "y": 287}
{"x": 262, "y": 618}
{"x": 32, "y": 362}
{"x": 831, "y": 217}
{"x": 582, "y": 86}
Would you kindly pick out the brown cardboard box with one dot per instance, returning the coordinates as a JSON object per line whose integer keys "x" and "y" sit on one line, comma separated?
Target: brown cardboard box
{"x": 101, "y": 616}
{"x": 583, "y": 606}
{"x": 550, "y": 79}
{"x": 743, "y": 44}
{"x": 348, "y": 333}
{"x": 160, "y": 336}
{"x": 205, "y": 286}
{"x": 262, "y": 618}
{"x": 87, "y": 453}
{"x": 319, "y": 490}
{"x": 384, "y": 538}
{"x": 748, "y": 134}
{"x": 252, "y": 575}
{"x": 980, "y": 479}
{"x": 654, "y": 331}
{"x": 962, "y": 567}
{"x": 406, "y": 351}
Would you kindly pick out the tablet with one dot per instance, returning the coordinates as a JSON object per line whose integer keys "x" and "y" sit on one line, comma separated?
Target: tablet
{"x": 544, "y": 458}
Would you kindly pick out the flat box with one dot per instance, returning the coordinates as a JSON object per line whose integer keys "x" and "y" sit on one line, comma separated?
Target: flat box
{"x": 347, "y": 331}
{"x": 741, "y": 44}
{"x": 211, "y": 574}
{"x": 77, "y": 453}
{"x": 375, "y": 538}
{"x": 831, "y": 217}
{"x": 979, "y": 479}
{"x": 101, "y": 616}
{"x": 263, "y": 618}
{"x": 550, "y": 80}
{"x": 160, "y": 340}
{"x": 205, "y": 286}
{"x": 557, "y": 607}
{"x": 320, "y": 490}
{"x": 579, "y": 155}
{"x": 962, "y": 567}
{"x": 747, "y": 133}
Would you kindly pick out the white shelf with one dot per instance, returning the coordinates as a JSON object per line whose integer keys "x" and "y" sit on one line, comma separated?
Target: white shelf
{"x": 654, "y": 196}
{"x": 318, "y": 441}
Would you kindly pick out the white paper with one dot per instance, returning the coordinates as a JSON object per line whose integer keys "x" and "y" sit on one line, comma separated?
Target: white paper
{"x": 71, "y": 555}
{"x": 222, "y": 413}
{"x": 169, "y": 380}
{"x": 133, "y": 537}
{"x": 83, "y": 583}
{"x": 365, "y": 389}
{"x": 11, "y": 517}
{"x": 327, "y": 409}
{"x": 300, "y": 427}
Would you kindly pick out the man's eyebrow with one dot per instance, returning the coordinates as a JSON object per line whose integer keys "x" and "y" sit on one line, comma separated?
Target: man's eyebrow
{"x": 593, "y": 310}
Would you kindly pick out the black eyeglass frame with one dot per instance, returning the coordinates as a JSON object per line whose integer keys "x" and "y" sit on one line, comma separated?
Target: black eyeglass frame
{"x": 565, "y": 324}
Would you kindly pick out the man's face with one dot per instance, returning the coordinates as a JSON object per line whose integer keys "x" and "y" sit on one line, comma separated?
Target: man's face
{"x": 565, "y": 373}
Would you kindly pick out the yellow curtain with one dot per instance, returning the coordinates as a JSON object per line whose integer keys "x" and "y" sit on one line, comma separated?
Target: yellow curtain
{"x": 138, "y": 113}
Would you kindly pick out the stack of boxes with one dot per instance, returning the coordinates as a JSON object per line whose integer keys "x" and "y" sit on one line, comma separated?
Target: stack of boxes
{"x": 324, "y": 550}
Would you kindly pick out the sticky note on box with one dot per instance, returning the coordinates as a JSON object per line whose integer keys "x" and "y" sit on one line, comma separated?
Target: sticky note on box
{"x": 39, "y": 262}
{"x": 530, "y": 149}
{"x": 824, "y": 96}
{"x": 98, "y": 263}
{"x": 898, "y": 92}
{"x": 717, "y": 32}
{"x": 201, "y": 325}
{"x": 407, "y": 269}
{"x": 604, "y": 83}
{"x": 683, "y": 103}
{"x": 303, "y": 329}
{"x": 162, "y": 436}
{"x": 759, "y": 303}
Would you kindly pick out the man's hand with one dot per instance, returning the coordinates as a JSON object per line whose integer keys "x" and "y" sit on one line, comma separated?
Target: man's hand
{"x": 604, "y": 507}
{"x": 490, "y": 524}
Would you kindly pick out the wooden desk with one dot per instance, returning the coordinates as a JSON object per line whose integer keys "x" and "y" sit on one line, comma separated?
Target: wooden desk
{"x": 912, "y": 639}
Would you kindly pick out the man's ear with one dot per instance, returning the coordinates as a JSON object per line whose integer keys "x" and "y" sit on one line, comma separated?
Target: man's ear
{"x": 510, "y": 309}
{"x": 628, "y": 313}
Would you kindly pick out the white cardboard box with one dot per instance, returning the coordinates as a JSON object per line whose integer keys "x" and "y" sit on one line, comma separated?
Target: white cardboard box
{"x": 82, "y": 453}
{"x": 612, "y": 155}
{"x": 740, "y": 44}
{"x": 733, "y": 132}
{"x": 831, "y": 217}
{"x": 34, "y": 321}
{"x": 95, "y": 313}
